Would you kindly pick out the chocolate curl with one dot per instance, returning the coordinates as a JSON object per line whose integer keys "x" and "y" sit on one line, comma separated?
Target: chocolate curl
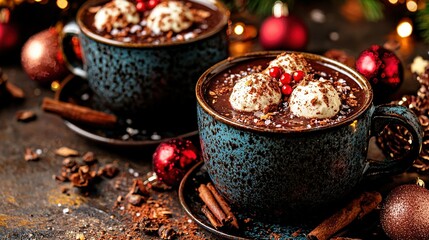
{"x": 78, "y": 113}
{"x": 356, "y": 209}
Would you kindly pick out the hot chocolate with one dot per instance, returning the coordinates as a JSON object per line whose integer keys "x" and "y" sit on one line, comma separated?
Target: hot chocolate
{"x": 165, "y": 22}
{"x": 288, "y": 92}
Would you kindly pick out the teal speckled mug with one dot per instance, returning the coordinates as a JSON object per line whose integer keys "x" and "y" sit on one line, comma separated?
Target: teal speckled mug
{"x": 132, "y": 78}
{"x": 295, "y": 172}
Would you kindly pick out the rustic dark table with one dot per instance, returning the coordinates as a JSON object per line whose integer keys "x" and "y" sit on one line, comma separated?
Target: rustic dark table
{"x": 31, "y": 203}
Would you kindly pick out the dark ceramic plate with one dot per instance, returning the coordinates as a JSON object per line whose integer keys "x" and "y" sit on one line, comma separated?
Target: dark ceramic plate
{"x": 368, "y": 228}
{"x": 128, "y": 132}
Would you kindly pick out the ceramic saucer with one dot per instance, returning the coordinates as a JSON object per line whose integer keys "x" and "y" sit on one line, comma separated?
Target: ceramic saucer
{"x": 127, "y": 134}
{"x": 252, "y": 228}
{"x": 249, "y": 228}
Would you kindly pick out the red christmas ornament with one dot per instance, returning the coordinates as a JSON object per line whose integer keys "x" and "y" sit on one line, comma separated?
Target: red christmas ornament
{"x": 382, "y": 68}
{"x": 405, "y": 213}
{"x": 42, "y": 59}
{"x": 283, "y": 31}
{"x": 9, "y": 32}
{"x": 9, "y": 37}
{"x": 172, "y": 159}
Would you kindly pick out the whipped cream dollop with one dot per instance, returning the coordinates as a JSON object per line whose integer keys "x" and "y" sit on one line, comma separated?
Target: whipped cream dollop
{"x": 289, "y": 63}
{"x": 170, "y": 16}
{"x": 255, "y": 92}
{"x": 116, "y": 14}
{"x": 315, "y": 99}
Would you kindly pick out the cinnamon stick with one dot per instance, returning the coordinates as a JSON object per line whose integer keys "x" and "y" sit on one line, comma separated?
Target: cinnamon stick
{"x": 208, "y": 198}
{"x": 356, "y": 209}
{"x": 78, "y": 113}
{"x": 213, "y": 220}
{"x": 224, "y": 205}
{"x": 14, "y": 90}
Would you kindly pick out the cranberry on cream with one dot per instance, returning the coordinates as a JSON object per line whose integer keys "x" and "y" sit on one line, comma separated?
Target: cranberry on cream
{"x": 116, "y": 14}
{"x": 255, "y": 92}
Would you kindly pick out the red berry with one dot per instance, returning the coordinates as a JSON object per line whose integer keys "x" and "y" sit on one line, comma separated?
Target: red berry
{"x": 141, "y": 6}
{"x": 298, "y": 75}
{"x": 286, "y": 90}
{"x": 275, "y": 72}
{"x": 152, "y": 3}
{"x": 285, "y": 78}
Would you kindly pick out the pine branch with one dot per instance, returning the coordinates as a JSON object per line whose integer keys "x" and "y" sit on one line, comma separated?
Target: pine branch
{"x": 422, "y": 19}
{"x": 373, "y": 9}
{"x": 263, "y": 8}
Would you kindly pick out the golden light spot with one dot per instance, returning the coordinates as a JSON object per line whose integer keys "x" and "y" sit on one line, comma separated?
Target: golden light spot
{"x": 353, "y": 125}
{"x": 55, "y": 85}
{"x": 62, "y": 4}
{"x": 404, "y": 28}
{"x": 411, "y": 6}
{"x": 239, "y": 28}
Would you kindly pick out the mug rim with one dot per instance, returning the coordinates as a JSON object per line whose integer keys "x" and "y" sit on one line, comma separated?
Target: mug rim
{"x": 217, "y": 4}
{"x": 207, "y": 76}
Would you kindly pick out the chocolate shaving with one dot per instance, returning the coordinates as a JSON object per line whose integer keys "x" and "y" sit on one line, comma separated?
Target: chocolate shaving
{"x": 29, "y": 155}
{"x": 25, "y": 116}
{"x": 89, "y": 158}
{"x": 66, "y": 152}
{"x": 138, "y": 193}
{"x": 166, "y": 232}
{"x": 109, "y": 170}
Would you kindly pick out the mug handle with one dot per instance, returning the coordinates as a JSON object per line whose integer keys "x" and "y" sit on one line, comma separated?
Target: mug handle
{"x": 394, "y": 114}
{"x": 71, "y": 30}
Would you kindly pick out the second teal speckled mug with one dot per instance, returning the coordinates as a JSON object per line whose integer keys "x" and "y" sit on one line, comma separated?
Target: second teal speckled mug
{"x": 295, "y": 172}
{"x": 142, "y": 78}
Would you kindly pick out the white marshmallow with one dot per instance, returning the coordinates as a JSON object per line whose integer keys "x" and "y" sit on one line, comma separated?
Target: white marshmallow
{"x": 116, "y": 14}
{"x": 289, "y": 63}
{"x": 170, "y": 16}
{"x": 315, "y": 99}
{"x": 255, "y": 92}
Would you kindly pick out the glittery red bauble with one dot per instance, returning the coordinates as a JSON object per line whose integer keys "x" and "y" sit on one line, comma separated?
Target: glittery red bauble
{"x": 284, "y": 32}
{"x": 172, "y": 159}
{"x": 9, "y": 37}
{"x": 405, "y": 214}
{"x": 382, "y": 68}
{"x": 42, "y": 59}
